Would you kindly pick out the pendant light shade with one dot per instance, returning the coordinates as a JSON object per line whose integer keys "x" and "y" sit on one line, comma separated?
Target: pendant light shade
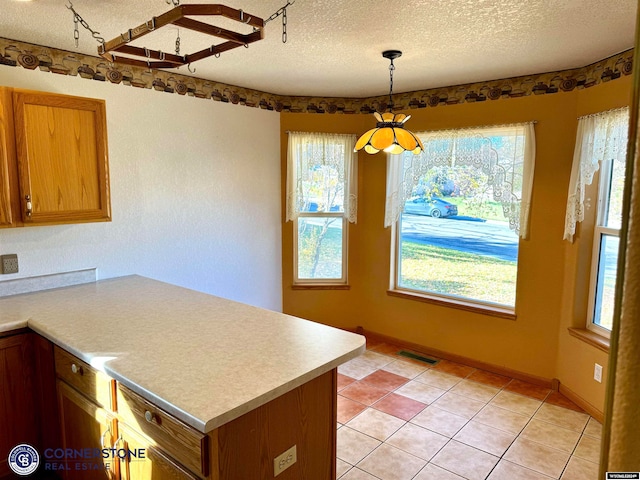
{"x": 390, "y": 134}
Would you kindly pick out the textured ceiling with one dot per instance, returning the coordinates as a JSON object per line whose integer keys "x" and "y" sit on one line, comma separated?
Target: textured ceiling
{"x": 334, "y": 47}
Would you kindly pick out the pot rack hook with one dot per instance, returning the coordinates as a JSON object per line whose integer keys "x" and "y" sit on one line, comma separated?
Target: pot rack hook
{"x": 190, "y": 69}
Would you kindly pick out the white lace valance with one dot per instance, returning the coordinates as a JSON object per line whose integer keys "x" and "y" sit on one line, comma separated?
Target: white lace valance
{"x": 504, "y": 154}
{"x": 322, "y": 168}
{"x": 602, "y": 135}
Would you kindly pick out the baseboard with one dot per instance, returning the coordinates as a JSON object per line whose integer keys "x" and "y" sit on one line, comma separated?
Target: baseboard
{"x": 543, "y": 382}
{"x": 582, "y": 403}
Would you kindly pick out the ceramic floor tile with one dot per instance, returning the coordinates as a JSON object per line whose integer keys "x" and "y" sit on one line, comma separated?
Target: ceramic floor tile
{"x": 420, "y": 391}
{"x": 551, "y": 435}
{"x": 418, "y": 441}
{"x": 556, "y": 398}
{"x": 374, "y": 358}
{"x": 376, "y": 424}
{"x": 463, "y": 406}
{"x": 344, "y": 381}
{"x": 538, "y": 457}
{"x": 438, "y": 379}
{"x": 353, "y": 446}
{"x": 563, "y": 417}
{"x": 474, "y": 390}
{"x": 389, "y": 463}
{"x": 488, "y": 378}
{"x": 347, "y": 409}
{"x": 357, "y": 368}
{"x": 505, "y": 420}
{"x": 405, "y": 369}
{"x": 510, "y": 471}
{"x": 433, "y": 472}
{"x": 516, "y": 403}
{"x": 528, "y": 389}
{"x": 594, "y": 428}
{"x": 386, "y": 349}
{"x": 439, "y": 421}
{"x": 342, "y": 467}
{"x": 357, "y": 474}
{"x": 579, "y": 469}
{"x": 485, "y": 438}
{"x": 386, "y": 380}
{"x": 399, "y": 406}
{"x": 363, "y": 392}
{"x": 453, "y": 368}
{"x": 588, "y": 449}
{"x": 465, "y": 461}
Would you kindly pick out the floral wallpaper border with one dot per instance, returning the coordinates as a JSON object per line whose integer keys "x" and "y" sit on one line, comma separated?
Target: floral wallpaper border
{"x": 15, "y": 53}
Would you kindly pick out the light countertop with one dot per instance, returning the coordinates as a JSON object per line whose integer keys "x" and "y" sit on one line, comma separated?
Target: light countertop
{"x": 205, "y": 359}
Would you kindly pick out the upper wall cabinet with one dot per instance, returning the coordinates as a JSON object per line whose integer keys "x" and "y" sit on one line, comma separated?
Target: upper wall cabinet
{"x": 53, "y": 159}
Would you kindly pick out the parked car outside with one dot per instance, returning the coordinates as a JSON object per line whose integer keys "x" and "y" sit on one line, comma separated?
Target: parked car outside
{"x": 434, "y": 206}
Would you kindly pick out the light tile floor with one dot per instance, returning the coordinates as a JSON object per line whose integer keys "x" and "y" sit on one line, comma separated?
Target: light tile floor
{"x": 402, "y": 419}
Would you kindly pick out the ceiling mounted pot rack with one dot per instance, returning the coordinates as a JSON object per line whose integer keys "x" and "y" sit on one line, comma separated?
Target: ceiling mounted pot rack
{"x": 179, "y": 16}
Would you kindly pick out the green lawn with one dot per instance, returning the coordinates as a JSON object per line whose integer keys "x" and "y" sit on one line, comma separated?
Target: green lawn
{"x": 451, "y": 272}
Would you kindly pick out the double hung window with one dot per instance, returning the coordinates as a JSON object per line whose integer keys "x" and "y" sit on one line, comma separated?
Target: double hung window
{"x": 321, "y": 201}
{"x": 460, "y": 208}
{"x": 601, "y": 145}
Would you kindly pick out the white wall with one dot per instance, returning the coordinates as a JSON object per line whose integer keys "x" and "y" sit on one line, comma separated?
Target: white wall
{"x": 195, "y": 195}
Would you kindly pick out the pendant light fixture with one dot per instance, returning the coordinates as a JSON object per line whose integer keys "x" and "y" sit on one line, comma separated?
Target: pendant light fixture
{"x": 390, "y": 134}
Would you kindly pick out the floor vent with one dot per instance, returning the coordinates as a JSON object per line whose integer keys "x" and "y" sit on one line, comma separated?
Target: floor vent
{"x": 415, "y": 356}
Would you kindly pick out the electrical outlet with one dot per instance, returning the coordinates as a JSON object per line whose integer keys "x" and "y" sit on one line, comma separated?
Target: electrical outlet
{"x": 9, "y": 263}
{"x": 597, "y": 373}
{"x": 284, "y": 461}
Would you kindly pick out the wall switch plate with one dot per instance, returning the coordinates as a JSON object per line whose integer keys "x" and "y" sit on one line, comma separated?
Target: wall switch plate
{"x": 597, "y": 373}
{"x": 9, "y": 263}
{"x": 284, "y": 461}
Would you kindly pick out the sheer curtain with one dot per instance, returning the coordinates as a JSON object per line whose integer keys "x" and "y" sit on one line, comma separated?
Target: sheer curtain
{"x": 309, "y": 152}
{"x": 505, "y": 154}
{"x": 602, "y": 135}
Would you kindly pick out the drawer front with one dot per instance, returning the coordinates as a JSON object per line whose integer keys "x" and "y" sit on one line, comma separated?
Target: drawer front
{"x": 93, "y": 384}
{"x": 182, "y": 442}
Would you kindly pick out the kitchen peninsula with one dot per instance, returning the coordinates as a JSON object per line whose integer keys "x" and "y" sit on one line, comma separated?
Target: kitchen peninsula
{"x": 214, "y": 389}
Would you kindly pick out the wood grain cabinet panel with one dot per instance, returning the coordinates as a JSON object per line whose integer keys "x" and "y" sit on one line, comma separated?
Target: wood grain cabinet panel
{"x": 18, "y": 413}
{"x": 54, "y": 164}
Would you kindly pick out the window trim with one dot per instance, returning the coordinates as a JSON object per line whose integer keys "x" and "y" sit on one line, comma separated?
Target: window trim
{"x": 605, "y": 174}
{"x": 322, "y": 282}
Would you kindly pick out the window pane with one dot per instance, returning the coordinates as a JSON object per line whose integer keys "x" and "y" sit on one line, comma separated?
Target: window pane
{"x": 320, "y": 247}
{"x": 455, "y": 240}
{"x": 614, "y": 208}
{"x": 605, "y": 289}
{"x": 322, "y": 179}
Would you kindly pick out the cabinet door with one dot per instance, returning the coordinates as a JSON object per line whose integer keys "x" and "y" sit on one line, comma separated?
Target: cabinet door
{"x": 155, "y": 464}
{"x": 61, "y": 145}
{"x": 9, "y": 198}
{"x": 18, "y": 416}
{"x": 84, "y": 425}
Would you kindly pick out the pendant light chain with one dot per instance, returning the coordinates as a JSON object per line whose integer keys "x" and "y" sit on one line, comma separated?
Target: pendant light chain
{"x": 391, "y": 69}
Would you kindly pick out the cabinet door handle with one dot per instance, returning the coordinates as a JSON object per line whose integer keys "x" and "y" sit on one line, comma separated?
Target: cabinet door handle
{"x": 104, "y": 435}
{"x": 149, "y": 417}
{"x": 76, "y": 369}
{"x": 29, "y": 206}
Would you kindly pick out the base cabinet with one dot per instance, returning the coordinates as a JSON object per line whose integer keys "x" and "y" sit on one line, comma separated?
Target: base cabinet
{"x": 84, "y": 426}
{"x": 18, "y": 407}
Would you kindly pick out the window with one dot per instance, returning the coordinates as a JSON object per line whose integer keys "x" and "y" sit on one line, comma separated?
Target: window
{"x": 601, "y": 144}
{"x": 321, "y": 201}
{"x": 460, "y": 208}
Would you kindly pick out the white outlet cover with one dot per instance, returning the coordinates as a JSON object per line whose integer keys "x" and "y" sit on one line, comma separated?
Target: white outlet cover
{"x": 597, "y": 373}
{"x": 284, "y": 461}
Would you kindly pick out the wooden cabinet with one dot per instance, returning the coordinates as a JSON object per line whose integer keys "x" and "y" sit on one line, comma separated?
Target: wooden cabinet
{"x": 93, "y": 416}
{"x": 53, "y": 159}
{"x": 18, "y": 413}
{"x": 84, "y": 425}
